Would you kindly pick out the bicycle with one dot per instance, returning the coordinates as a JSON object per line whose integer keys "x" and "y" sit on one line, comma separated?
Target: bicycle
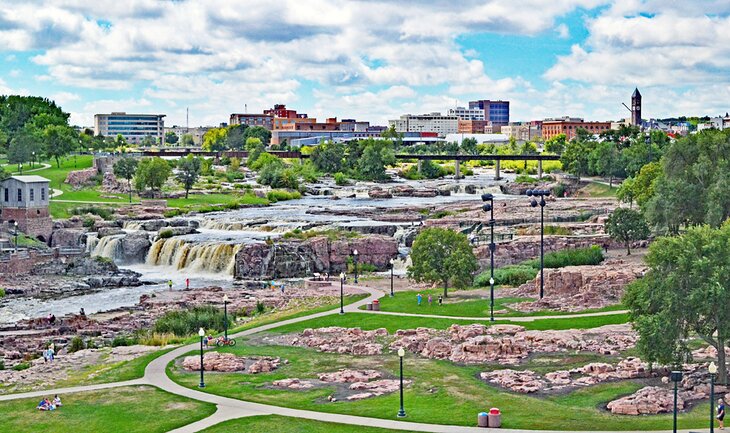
{"x": 221, "y": 341}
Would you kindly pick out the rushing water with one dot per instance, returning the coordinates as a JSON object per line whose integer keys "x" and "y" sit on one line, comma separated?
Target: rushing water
{"x": 207, "y": 258}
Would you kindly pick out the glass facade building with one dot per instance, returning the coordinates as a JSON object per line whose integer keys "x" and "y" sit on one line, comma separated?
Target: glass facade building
{"x": 133, "y": 127}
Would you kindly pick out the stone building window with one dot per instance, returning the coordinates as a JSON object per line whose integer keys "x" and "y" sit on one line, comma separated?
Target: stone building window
{"x": 7, "y": 195}
{"x": 43, "y": 194}
{"x": 20, "y": 195}
{"x": 32, "y": 194}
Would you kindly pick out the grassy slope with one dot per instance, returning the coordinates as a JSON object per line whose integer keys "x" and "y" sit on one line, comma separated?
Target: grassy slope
{"x": 442, "y": 393}
{"x": 130, "y": 409}
{"x": 280, "y": 424}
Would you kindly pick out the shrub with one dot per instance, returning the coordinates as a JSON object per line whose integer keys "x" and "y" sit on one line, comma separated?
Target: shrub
{"x": 575, "y": 257}
{"x": 165, "y": 234}
{"x": 512, "y": 275}
{"x": 341, "y": 179}
{"x": 2, "y": 292}
{"x": 186, "y": 322}
{"x": 104, "y": 212}
{"x": 89, "y": 223}
{"x": 173, "y": 213}
{"x": 103, "y": 260}
{"x": 232, "y": 176}
{"x": 559, "y": 190}
{"x": 2, "y": 364}
{"x": 21, "y": 366}
{"x": 158, "y": 339}
{"x": 124, "y": 340}
{"x": 282, "y": 195}
{"x": 525, "y": 179}
{"x": 442, "y": 213}
{"x": 557, "y": 230}
{"x": 260, "y": 307}
{"x": 76, "y": 344}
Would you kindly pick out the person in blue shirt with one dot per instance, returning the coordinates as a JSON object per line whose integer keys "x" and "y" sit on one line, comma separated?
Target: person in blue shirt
{"x": 721, "y": 413}
{"x": 419, "y": 298}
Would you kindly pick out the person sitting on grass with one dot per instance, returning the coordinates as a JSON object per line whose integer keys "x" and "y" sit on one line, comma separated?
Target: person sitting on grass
{"x": 57, "y": 401}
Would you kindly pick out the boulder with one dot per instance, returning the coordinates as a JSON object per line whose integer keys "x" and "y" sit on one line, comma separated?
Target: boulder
{"x": 134, "y": 247}
{"x": 78, "y": 178}
{"x": 293, "y": 383}
{"x": 379, "y": 193}
{"x": 215, "y": 361}
{"x": 350, "y": 376}
{"x": 69, "y": 238}
{"x": 650, "y": 400}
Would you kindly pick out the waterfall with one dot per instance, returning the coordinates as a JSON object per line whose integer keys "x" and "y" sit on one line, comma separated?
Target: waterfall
{"x": 91, "y": 241}
{"x": 108, "y": 247}
{"x": 132, "y": 225}
{"x": 209, "y": 257}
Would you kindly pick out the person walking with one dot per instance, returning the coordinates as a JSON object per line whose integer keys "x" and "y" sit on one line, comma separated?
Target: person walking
{"x": 721, "y": 414}
{"x": 169, "y": 284}
{"x": 187, "y": 283}
{"x": 441, "y": 300}
{"x": 419, "y": 298}
{"x": 430, "y": 299}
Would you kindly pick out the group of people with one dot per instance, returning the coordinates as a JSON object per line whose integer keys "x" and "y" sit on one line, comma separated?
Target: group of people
{"x": 50, "y": 353}
{"x": 47, "y": 404}
{"x": 419, "y": 299}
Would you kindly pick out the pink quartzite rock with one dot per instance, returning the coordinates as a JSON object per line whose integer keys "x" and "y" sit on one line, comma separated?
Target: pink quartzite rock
{"x": 292, "y": 383}
{"x": 646, "y": 401}
{"x": 215, "y": 361}
{"x": 350, "y": 376}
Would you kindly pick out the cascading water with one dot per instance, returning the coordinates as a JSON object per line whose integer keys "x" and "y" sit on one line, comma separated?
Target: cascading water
{"x": 132, "y": 225}
{"x": 108, "y": 246}
{"x": 91, "y": 241}
{"x": 208, "y": 257}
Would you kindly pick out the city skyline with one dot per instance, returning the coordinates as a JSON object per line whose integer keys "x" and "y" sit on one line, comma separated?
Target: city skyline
{"x": 367, "y": 60}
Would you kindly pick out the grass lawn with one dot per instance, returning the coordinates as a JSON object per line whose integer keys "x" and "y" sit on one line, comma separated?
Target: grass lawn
{"x": 442, "y": 393}
{"x": 120, "y": 371}
{"x": 369, "y": 321}
{"x": 595, "y": 189}
{"x": 461, "y": 304}
{"x": 128, "y": 409}
{"x": 281, "y": 424}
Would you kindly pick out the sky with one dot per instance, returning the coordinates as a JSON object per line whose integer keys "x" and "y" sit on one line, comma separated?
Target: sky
{"x": 368, "y": 59}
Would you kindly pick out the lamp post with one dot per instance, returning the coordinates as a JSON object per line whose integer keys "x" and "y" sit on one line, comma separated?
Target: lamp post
{"x": 712, "y": 369}
{"x": 21, "y": 168}
{"x": 342, "y": 293}
{"x": 15, "y": 225}
{"x": 542, "y": 194}
{"x": 401, "y": 354}
{"x": 676, "y": 377}
{"x": 201, "y": 334}
{"x": 489, "y": 207}
{"x": 225, "y": 317}
{"x": 32, "y": 158}
{"x": 354, "y": 260}
{"x": 392, "y": 265}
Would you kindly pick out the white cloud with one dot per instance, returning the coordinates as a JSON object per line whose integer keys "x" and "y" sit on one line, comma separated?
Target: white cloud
{"x": 563, "y": 31}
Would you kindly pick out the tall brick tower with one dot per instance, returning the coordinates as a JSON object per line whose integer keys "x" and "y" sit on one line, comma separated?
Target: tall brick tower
{"x": 636, "y": 108}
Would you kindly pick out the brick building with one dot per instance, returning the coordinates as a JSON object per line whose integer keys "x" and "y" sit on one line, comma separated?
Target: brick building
{"x": 474, "y": 127}
{"x": 569, "y": 126}
{"x": 24, "y": 199}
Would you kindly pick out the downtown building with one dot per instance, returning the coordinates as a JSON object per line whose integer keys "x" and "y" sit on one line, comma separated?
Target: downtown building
{"x": 496, "y": 112}
{"x": 133, "y": 127}
{"x": 436, "y": 123}
{"x": 569, "y": 126}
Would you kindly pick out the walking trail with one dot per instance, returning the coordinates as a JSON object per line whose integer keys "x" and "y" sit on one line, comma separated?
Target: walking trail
{"x": 229, "y": 408}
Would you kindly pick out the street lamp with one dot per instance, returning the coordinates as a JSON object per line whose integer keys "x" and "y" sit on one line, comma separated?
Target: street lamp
{"x": 354, "y": 260}
{"x": 32, "y": 158}
{"x": 401, "y": 354}
{"x": 342, "y": 293}
{"x": 676, "y": 377}
{"x": 542, "y": 194}
{"x": 392, "y": 265}
{"x": 712, "y": 369}
{"x": 489, "y": 207}
{"x": 225, "y": 317}
{"x": 201, "y": 334}
{"x": 15, "y": 225}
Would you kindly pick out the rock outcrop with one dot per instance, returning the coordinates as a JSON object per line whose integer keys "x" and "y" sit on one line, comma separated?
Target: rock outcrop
{"x": 79, "y": 178}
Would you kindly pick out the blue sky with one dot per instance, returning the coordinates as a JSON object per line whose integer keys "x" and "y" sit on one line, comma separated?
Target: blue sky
{"x": 367, "y": 59}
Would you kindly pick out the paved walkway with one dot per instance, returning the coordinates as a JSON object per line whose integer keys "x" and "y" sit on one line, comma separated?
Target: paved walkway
{"x": 229, "y": 408}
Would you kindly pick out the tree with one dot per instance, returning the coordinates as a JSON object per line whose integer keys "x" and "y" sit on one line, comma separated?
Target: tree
{"x": 255, "y": 148}
{"x": 644, "y": 183}
{"x": 236, "y": 137}
{"x": 575, "y": 157}
{"x": 149, "y": 141}
{"x": 556, "y": 144}
{"x": 328, "y": 157}
{"x": 188, "y": 171}
{"x": 625, "y": 192}
{"x": 684, "y": 293}
{"x": 626, "y": 226}
{"x": 259, "y": 132}
{"x": 19, "y": 149}
{"x": 126, "y": 168}
{"x": 604, "y": 161}
{"x": 59, "y": 140}
{"x": 152, "y": 173}
{"x": 171, "y": 138}
{"x": 214, "y": 139}
{"x": 187, "y": 140}
{"x": 442, "y": 256}
{"x": 375, "y": 158}
{"x": 469, "y": 146}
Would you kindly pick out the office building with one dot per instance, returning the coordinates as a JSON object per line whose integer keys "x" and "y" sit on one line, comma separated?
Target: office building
{"x": 569, "y": 126}
{"x": 133, "y": 127}
{"x": 523, "y": 131}
{"x": 496, "y": 112}
{"x": 433, "y": 122}
{"x": 474, "y": 127}
{"x": 467, "y": 113}
{"x": 262, "y": 120}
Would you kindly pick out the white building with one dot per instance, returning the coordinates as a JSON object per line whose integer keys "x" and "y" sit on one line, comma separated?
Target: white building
{"x": 133, "y": 127}
{"x": 197, "y": 133}
{"x": 497, "y": 139}
{"x": 434, "y": 123}
{"x": 467, "y": 113}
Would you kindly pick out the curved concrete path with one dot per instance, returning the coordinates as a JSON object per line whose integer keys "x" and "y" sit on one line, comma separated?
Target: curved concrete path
{"x": 229, "y": 408}
{"x": 499, "y": 318}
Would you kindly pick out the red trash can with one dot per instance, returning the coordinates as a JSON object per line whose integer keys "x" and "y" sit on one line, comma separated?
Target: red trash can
{"x": 495, "y": 418}
{"x": 376, "y": 305}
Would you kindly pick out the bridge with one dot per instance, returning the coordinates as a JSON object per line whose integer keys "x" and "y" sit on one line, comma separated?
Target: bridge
{"x": 457, "y": 158}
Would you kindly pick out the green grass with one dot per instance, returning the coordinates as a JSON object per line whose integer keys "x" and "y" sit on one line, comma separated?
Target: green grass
{"x": 458, "y": 305}
{"x": 281, "y": 424}
{"x": 442, "y": 393}
{"x": 140, "y": 409}
{"x": 598, "y": 190}
{"x": 117, "y": 372}
{"x": 371, "y": 321}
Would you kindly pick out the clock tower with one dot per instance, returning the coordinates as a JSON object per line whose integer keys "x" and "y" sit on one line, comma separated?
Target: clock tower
{"x": 636, "y": 108}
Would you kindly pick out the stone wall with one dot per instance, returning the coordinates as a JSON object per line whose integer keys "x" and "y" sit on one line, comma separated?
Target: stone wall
{"x": 319, "y": 254}
{"x": 78, "y": 178}
{"x": 528, "y": 247}
{"x": 25, "y": 261}
{"x": 34, "y": 221}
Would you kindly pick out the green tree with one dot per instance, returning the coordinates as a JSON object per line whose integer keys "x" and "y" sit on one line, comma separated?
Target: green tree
{"x": 469, "y": 146}
{"x": 626, "y": 226}
{"x": 625, "y": 192}
{"x": 59, "y": 140}
{"x": 644, "y": 183}
{"x": 605, "y": 160}
{"x": 236, "y": 137}
{"x": 125, "y": 168}
{"x": 152, "y": 173}
{"x": 188, "y": 171}
{"x": 391, "y": 134}
{"x": 149, "y": 141}
{"x": 442, "y": 256}
{"x": 259, "y": 132}
{"x": 255, "y": 148}
{"x": 19, "y": 149}
{"x": 120, "y": 141}
{"x": 575, "y": 157}
{"x": 328, "y": 157}
{"x": 556, "y": 144}
{"x": 375, "y": 157}
{"x": 684, "y": 293}
{"x": 187, "y": 140}
{"x": 215, "y": 139}
{"x": 171, "y": 138}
